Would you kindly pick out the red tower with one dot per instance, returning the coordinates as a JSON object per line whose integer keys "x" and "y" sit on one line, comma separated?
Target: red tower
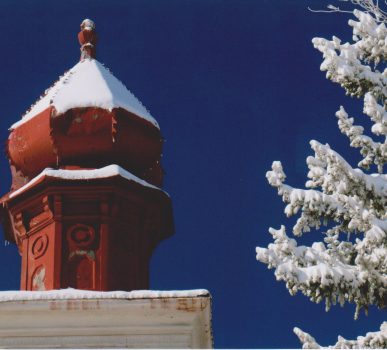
{"x": 85, "y": 208}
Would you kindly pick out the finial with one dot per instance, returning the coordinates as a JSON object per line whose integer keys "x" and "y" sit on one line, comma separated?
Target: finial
{"x": 88, "y": 39}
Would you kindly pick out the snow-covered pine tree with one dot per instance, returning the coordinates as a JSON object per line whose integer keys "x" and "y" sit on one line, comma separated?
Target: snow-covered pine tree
{"x": 342, "y": 200}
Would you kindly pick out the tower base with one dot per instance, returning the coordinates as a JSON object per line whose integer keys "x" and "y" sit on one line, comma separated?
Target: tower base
{"x": 83, "y": 319}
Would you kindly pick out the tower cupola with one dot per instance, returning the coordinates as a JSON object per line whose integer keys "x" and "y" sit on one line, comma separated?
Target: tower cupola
{"x": 85, "y": 206}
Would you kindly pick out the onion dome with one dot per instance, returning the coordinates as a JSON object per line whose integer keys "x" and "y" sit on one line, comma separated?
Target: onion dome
{"x": 88, "y": 119}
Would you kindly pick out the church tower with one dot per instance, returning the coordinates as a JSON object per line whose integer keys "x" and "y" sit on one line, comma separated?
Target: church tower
{"x": 86, "y": 211}
{"x": 85, "y": 208}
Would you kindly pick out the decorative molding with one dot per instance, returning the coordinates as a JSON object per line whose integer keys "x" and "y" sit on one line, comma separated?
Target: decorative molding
{"x": 57, "y": 206}
{"x": 81, "y": 235}
{"x": 39, "y": 246}
{"x": 20, "y": 229}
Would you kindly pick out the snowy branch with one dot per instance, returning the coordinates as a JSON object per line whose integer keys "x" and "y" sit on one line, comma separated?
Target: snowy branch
{"x": 372, "y": 340}
{"x": 344, "y": 200}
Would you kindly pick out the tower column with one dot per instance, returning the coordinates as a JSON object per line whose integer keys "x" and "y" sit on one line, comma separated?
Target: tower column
{"x": 94, "y": 235}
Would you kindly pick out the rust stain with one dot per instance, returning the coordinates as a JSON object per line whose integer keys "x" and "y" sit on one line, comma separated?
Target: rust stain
{"x": 152, "y": 304}
{"x": 85, "y": 305}
{"x": 165, "y": 303}
{"x": 72, "y": 305}
{"x": 90, "y": 304}
{"x": 203, "y": 303}
{"x": 55, "y": 305}
{"x": 191, "y": 304}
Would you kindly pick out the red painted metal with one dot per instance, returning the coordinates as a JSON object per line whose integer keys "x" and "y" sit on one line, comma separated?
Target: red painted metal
{"x": 88, "y": 39}
{"x": 97, "y": 234}
{"x": 88, "y": 138}
{"x": 30, "y": 148}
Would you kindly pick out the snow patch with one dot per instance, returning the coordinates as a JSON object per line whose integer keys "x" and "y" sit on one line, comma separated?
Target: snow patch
{"x": 69, "y": 294}
{"x": 83, "y": 174}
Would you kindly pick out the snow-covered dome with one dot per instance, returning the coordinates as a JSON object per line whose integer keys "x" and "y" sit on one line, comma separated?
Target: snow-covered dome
{"x": 88, "y": 84}
{"x": 88, "y": 119}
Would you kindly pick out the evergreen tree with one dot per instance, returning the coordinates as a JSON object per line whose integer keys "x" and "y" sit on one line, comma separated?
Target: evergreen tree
{"x": 348, "y": 204}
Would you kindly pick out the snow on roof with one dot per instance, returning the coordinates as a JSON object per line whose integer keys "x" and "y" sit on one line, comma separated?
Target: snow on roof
{"x": 69, "y": 294}
{"x": 84, "y": 174}
{"x": 88, "y": 84}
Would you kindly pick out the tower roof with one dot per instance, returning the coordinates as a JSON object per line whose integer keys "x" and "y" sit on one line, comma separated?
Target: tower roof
{"x": 88, "y": 84}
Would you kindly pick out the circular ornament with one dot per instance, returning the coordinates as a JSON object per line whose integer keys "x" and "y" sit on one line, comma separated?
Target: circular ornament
{"x": 39, "y": 246}
{"x": 81, "y": 235}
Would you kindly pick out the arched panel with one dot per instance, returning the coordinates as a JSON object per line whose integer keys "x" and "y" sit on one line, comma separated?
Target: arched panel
{"x": 81, "y": 272}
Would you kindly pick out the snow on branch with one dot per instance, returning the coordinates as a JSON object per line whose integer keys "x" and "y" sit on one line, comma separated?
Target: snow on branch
{"x": 373, "y": 152}
{"x": 338, "y": 273}
{"x": 343, "y": 66}
{"x": 307, "y": 341}
{"x": 331, "y": 172}
{"x": 372, "y": 340}
{"x": 348, "y": 64}
{"x": 348, "y": 196}
{"x": 339, "y": 270}
{"x": 369, "y": 37}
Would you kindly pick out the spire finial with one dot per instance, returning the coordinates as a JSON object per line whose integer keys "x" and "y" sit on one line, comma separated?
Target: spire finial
{"x": 88, "y": 39}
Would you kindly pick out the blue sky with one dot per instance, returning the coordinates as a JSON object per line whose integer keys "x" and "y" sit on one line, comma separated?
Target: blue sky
{"x": 234, "y": 85}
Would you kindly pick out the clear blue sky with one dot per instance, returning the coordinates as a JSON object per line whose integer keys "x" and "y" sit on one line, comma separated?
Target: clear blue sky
{"x": 234, "y": 85}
